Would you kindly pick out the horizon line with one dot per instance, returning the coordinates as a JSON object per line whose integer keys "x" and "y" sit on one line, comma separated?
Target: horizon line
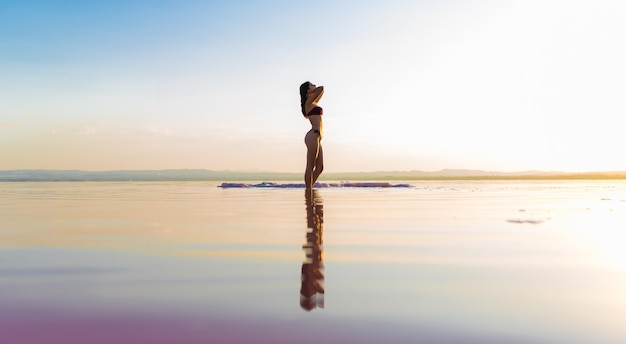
{"x": 253, "y": 171}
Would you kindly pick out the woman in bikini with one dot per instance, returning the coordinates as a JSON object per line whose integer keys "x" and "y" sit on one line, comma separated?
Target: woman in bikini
{"x": 309, "y": 96}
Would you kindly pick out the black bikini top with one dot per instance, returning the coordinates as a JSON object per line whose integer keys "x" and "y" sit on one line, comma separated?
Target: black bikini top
{"x": 315, "y": 111}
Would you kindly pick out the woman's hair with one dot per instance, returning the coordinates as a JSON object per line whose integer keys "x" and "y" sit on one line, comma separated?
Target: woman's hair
{"x": 304, "y": 88}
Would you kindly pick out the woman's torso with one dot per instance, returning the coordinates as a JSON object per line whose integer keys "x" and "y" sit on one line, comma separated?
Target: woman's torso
{"x": 315, "y": 117}
{"x": 316, "y": 122}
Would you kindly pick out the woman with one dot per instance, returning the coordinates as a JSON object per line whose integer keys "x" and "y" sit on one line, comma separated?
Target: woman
{"x": 309, "y": 96}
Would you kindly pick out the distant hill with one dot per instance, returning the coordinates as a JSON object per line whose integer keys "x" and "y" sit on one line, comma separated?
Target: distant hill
{"x": 138, "y": 175}
{"x": 208, "y": 175}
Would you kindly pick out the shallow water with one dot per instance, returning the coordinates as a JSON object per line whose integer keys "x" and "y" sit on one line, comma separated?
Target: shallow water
{"x": 188, "y": 262}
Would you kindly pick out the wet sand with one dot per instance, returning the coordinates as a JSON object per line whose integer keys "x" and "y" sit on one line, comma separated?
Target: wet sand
{"x": 189, "y": 262}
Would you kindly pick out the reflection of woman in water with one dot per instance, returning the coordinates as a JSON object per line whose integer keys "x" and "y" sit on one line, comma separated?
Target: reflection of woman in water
{"x": 309, "y": 96}
{"x": 312, "y": 288}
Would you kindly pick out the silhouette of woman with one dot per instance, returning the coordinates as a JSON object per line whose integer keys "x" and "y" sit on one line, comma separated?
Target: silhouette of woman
{"x": 312, "y": 277}
{"x": 309, "y": 96}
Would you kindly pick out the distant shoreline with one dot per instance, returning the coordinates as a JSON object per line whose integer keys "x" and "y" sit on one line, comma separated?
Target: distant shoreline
{"x": 228, "y": 176}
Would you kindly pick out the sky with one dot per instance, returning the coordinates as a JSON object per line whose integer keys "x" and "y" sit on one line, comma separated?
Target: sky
{"x": 409, "y": 85}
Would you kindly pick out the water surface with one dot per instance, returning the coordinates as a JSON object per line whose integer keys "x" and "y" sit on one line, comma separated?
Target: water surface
{"x": 188, "y": 262}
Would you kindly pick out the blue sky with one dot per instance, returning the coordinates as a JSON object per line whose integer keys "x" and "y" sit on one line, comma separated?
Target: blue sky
{"x": 495, "y": 85}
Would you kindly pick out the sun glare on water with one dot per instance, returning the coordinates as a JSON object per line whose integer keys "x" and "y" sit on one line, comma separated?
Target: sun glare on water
{"x": 601, "y": 229}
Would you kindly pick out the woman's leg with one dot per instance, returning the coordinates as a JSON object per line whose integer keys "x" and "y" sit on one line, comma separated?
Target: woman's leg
{"x": 319, "y": 163}
{"x": 312, "y": 157}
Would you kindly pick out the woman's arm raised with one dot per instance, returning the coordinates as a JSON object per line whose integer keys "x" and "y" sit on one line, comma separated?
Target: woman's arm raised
{"x": 315, "y": 96}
